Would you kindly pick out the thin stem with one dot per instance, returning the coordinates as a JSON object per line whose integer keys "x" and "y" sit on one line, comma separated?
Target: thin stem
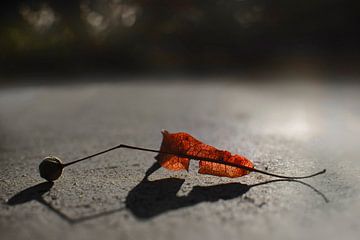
{"x": 93, "y": 155}
{"x": 195, "y": 158}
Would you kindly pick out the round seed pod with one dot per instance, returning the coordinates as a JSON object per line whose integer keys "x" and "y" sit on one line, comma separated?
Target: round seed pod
{"x": 51, "y": 168}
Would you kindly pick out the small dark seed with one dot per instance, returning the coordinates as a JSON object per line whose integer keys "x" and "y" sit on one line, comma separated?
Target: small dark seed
{"x": 51, "y": 168}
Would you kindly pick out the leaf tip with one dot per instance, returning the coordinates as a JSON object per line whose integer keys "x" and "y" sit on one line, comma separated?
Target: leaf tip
{"x": 164, "y": 132}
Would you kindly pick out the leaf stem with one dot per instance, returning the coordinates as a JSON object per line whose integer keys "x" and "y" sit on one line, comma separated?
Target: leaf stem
{"x": 195, "y": 158}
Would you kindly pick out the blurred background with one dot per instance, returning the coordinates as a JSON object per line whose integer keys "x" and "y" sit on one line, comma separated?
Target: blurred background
{"x": 52, "y": 37}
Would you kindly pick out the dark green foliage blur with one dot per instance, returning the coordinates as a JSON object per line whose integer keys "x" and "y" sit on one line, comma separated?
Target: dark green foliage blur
{"x": 60, "y": 36}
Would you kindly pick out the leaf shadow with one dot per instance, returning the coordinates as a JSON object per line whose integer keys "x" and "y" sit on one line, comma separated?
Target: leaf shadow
{"x": 149, "y": 199}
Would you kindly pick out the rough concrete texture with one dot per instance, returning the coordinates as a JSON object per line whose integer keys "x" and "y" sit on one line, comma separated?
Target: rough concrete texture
{"x": 291, "y": 129}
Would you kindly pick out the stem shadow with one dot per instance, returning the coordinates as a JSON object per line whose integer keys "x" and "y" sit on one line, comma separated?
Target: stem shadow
{"x": 36, "y": 192}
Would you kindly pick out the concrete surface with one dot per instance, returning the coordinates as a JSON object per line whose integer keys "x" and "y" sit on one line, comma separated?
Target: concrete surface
{"x": 291, "y": 129}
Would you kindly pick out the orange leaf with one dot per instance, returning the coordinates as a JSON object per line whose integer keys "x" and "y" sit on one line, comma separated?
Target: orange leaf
{"x": 175, "y": 144}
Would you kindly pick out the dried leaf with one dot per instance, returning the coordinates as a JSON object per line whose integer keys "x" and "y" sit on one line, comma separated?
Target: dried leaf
{"x": 184, "y": 144}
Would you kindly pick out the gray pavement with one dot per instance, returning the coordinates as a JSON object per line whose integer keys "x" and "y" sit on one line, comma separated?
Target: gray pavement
{"x": 287, "y": 128}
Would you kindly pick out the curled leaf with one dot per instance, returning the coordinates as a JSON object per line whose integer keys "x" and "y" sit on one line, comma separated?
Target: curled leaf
{"x": 178, "y": 148}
